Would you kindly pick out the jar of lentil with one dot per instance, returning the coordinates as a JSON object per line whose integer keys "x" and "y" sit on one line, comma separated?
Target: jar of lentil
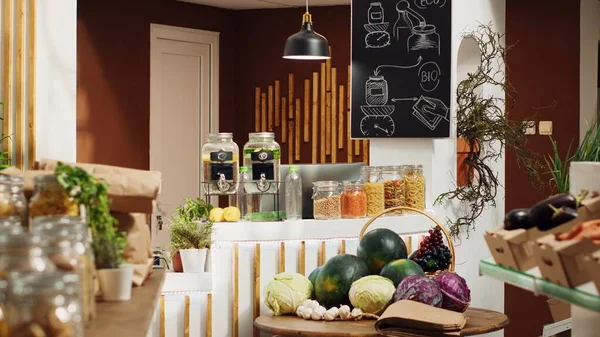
{"x": 45, "y": 305}
{"x": 326, "y": 200}
{"x": 354, "y": 200}
{"x": 415, "y": 186}
{"x": 68, "y": 245}
{"x": 50, "y": 198}
{"x": 373, "y": 187}
{"x": 220, "y": 164}
{"x": 393, "y": 187}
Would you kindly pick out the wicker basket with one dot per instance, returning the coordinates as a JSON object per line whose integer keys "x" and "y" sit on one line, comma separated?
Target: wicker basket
{"x": 403, "y": 208}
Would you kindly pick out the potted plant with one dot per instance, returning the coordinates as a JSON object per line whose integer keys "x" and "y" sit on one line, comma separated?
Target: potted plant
{"x": 191, "y": 234}
{"x": 114, "y": 275}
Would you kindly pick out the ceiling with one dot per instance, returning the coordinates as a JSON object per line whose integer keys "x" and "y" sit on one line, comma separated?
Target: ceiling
{"x": 259, "y": 4}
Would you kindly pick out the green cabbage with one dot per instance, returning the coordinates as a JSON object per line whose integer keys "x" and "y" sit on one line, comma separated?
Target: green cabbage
{"x": 286, "y": 292}
{"x": 372, "y": 293}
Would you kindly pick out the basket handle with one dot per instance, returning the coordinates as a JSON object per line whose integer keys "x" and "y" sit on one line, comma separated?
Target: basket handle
{"x": 404, "y": 208}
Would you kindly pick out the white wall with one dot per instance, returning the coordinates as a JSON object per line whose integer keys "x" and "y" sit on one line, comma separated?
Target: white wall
{"x": 56, "y": 79}
{"x": 439, "y": 159}
{"x": 588, "y": 64}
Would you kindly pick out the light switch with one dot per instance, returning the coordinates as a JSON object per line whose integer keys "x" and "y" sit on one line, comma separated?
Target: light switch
{"x": 546, "y": 128}
{"x": 529, "y": 127}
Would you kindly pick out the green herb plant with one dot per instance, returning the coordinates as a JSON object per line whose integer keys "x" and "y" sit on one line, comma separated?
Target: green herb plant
{"x": 108, "y": 243}
{"x": 190, "y": 227}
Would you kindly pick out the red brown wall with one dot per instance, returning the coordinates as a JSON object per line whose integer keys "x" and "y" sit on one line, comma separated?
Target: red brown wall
{"x": 113, "y": 68}
{"x": 544, "y": 68}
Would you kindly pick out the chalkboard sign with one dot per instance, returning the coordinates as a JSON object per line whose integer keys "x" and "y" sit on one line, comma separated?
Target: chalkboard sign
{"x": 401, "y": 59}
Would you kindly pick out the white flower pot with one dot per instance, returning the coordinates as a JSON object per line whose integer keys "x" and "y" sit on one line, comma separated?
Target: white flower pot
{"x": 208, "y": 267}
{"x": 193, "y": 260}
{"x": 584, "y": 176}
{"x": 116, "y": 283}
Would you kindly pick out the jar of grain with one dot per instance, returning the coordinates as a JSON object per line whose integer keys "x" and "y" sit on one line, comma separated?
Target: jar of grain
{"x": 415, "y": 186}
{"x": 50, "y": 198}
{"x": 373, "y": 187}
{"x": 393, "y": 187}
{"x": 220, "y": 164}
{"x": 326, "y": 200}
{"x": 354, "y": 200}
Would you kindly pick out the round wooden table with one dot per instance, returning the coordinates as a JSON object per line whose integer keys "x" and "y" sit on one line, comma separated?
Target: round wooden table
{"x": 479, "y": 321}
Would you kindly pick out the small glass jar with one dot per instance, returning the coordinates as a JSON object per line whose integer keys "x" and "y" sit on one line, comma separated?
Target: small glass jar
{"x": 262, "y": 156}
{"x": 373, "y": 187}
{"x": 354, "y": 200}
{"x": 20, "y": 201}
{"x": 7, "y": 204}
{"x": 45, "y": 305}
{"x": 69, "y": 247}
{"x": 50, "y": 198}
{"x": 415, "y": 186}
{"x": 327, "y": 200}
{"x": 393, "y": 187}
{"x": 220, "y": 164}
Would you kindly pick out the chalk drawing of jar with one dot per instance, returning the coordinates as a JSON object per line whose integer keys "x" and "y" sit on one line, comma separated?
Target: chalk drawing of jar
{"x": 376, "y": 91}
{"x": 424, "y": 37}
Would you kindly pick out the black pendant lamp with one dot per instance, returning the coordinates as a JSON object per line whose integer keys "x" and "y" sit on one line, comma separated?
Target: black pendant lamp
{"x": 306, "y": 44}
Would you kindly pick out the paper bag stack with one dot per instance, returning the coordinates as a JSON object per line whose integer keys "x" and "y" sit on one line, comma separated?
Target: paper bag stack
{"x": 409, "y": 318}
{"x": 132, "y": 193}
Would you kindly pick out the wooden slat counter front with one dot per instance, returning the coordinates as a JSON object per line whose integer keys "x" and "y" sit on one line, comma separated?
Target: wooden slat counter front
{"x": 131, "y": 318}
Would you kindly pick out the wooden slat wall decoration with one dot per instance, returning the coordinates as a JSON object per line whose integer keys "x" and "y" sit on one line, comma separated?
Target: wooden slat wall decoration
{"x": 31, "y": 27}
{"x": 7, "y": 68}
{"x": 316, "y": 122}
{"x": 19, "y": 84}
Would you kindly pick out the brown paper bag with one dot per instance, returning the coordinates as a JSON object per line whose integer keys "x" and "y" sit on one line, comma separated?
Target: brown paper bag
{"x": 138, "y": 251}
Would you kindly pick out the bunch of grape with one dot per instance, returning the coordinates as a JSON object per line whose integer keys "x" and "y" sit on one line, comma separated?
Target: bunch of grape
{"x": 433, "y": 254}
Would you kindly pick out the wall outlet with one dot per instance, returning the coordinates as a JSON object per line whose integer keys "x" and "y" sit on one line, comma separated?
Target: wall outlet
{"x": 546, "y": 128}
{"x": 529, "y": 127}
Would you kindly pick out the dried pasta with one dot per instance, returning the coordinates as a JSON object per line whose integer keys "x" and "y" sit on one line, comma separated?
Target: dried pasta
{"x": 52, "y": 202}
{"x": 375, "y": 197}
{"x": 415, "y": 190}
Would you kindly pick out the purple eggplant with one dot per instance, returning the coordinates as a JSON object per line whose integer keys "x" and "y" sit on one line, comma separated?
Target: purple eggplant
{"x": 541, "y": 214}
{"x": 517, "y": 219}
{"x": 560, "y": 216}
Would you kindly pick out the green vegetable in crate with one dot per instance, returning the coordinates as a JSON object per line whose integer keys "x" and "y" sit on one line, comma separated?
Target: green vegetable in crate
{"x": 397, "y": 270}
{"x": 285, "y": 293}
{"x": 336, "y": 277}
{"x": 371, "y": 294}
{"x": 380, "y": 247}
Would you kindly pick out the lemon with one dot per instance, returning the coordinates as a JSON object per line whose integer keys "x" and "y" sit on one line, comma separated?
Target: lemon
{"x": 216, "y": 214}
{"x": 232, "y": 214}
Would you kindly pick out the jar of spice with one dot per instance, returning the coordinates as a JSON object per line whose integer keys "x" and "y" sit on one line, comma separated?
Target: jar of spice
{"x": 394, "y": 187}
{"x": 373, "y": 187}
{"x": 354, "y": 200}
{"x": 44, "y": 305}
{"x": 68, "y": 245}
{"x": 262, "y": 156}
{"x": 50, "y": 198}
{"x": 415, "y": 186}
{"x": 220, "y": 164}
{"x": 326, "y": 200}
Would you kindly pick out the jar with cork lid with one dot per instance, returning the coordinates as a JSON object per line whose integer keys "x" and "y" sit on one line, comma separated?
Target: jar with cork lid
{"x": 374, "y": 189}
{"x": 327, "y": 200}
{"x": 354, "y": 200}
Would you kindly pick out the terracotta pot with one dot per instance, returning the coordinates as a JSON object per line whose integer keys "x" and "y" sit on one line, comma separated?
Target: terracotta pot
{"x": 177, "y": 265}
{"x": 462, "y": 168}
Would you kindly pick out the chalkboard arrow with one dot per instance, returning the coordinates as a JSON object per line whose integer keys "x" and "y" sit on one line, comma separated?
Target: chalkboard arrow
{"x": 378, "y": 70}
{"x": 414, "y": 99}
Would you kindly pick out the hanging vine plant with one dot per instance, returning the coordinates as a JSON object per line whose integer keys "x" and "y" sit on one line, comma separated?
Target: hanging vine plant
{"x": 482, "y": 122}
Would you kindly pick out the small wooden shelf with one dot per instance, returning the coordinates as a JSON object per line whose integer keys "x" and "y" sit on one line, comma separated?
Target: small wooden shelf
{"x": 131, "y": 318}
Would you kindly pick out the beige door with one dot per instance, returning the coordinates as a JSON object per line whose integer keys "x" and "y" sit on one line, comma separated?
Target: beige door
{"x": 183, "y": 110}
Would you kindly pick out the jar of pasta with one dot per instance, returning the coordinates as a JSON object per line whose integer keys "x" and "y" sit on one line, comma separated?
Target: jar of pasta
{"x": 326, "y": 200}
{"x": 69, "y": 247}
{"x": 45, "y": 305}
{"x": 50, "y": 198}
{"x": 415, "y": 186}
{"x": 354, "y": 200}
{"x": 220, "y": 164}
{"x": 393, "y": 187}
{"x": 7, "y": 204}
{"x": 373, "y": 187}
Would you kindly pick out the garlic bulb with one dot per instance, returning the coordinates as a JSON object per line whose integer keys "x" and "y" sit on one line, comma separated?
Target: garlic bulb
{"x": 356, "y": 312}
{"x": 344, "y": 312}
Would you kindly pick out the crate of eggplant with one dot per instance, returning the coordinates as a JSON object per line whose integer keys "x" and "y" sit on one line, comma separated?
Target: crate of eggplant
{"x": 513, "y": 245}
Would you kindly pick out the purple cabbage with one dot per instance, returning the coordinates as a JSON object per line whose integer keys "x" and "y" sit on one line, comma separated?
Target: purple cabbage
{"x": 421, "y": 289}
{"x": 456, "y": 293}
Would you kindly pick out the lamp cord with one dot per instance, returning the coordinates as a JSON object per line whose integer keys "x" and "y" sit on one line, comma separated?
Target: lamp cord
{"x": 306, "y": 6}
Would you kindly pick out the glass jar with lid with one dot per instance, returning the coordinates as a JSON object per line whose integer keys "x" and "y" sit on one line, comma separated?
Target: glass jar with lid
{"x": 415, "y": 186}
{"x": 393, "y": 187}
{"x": 45, "y": 304}
{"x": 220, "y": 164}
{"x": 373, "y": 187}
{"x": 50, "y": 198}
{"x": 354, "y": 200}
{"x": 69, "y": 246}
{"x": 7, "y": 204}
{"x": 327, "y": 203}
{"x": 21, "y": 252}
{"x": 262, "y": 155}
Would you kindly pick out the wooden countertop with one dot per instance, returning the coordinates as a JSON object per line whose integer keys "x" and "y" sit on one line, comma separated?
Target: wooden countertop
{"x": 131, "y": 318}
